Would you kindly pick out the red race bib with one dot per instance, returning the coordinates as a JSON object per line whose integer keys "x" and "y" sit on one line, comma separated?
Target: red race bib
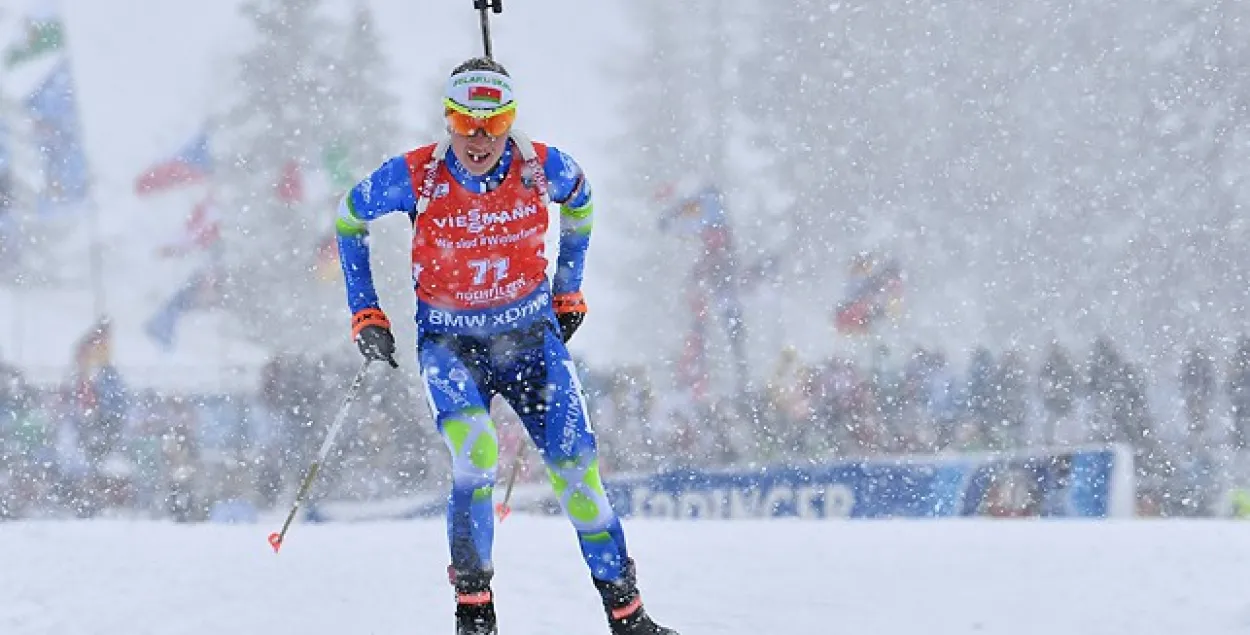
{"x": 475, "y": 251}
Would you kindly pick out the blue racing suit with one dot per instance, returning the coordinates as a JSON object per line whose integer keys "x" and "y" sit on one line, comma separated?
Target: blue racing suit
{"x": 513, "y": 349}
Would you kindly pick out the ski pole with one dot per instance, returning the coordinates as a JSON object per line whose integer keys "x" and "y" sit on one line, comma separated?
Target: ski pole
{"x": 483, "y": 6}
{"x": 276, "y": 538}
{"x": 503, "y": 509}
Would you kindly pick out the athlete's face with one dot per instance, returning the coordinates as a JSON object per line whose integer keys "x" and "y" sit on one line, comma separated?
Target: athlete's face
{"x": 478, "y": 152}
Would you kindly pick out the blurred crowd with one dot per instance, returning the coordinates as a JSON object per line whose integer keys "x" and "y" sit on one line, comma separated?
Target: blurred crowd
{"x": 94, "y": 446}
{"x": 1189, "y": 429}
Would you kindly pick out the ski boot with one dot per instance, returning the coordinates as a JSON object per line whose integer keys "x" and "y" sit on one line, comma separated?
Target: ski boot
{"x": 475, "y": 603}
{"x": 623, "y": 604}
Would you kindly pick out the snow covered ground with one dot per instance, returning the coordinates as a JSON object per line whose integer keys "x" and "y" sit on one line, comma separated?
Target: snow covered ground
{"x": 723, "y": 578}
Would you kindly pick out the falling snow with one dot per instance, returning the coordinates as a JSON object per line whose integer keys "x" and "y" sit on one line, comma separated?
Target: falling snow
{"x": 870, "y": 234}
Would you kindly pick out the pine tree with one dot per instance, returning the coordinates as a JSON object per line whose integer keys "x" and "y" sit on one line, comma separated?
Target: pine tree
{"x": 1062, "y": 164}
{"x": 663, "y": 141}
{"x": 996, "y": 146}
{"x": 1189, "y": 243}
{"x": 270, "y": 139}
{"x": 365, "y": 132}
{"x": 684, "y": 122}
{"x": 364, "y": 111}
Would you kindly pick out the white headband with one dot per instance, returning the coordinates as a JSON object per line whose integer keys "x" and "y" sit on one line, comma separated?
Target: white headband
{"x": 480, "y": 90}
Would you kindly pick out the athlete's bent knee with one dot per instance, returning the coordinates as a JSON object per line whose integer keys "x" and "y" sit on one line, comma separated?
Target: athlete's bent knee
{"x": 474, "y": 445}
{"x": 579, "y": 487}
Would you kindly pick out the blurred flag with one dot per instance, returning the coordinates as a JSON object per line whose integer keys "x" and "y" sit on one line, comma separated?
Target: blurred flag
{"x": 94, "y": 348}
{"x": 335, "y": 162}
{"x": 202, "y": 230}
{"x": 192, "y": 163}
{"x": 701, "y": 213}
{"x": 43, "y": 35}
{"x": 198, "y": 292}
{"x": 54, "y": 114}
{"x": 290, "y": 185}
{"x": 874, "y": 290}
{"x": 326, "y": 265}
{"x": 692, "y": 371}
{"x": 94, "y": 381}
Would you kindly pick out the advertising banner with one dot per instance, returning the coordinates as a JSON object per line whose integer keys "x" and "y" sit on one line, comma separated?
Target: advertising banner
{"x": 1088, "y": 482}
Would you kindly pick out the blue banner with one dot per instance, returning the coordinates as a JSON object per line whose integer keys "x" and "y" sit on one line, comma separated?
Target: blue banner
{"x": 1082, "y": 483}
{"x": 1095, "y": 482}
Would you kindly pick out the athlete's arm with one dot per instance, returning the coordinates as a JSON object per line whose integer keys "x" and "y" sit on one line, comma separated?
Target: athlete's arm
{"x": 387, "y": 190}
{"x": 568, "y": 187}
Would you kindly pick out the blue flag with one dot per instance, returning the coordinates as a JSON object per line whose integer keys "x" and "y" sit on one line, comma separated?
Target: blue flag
{"x": 198, "y": 292}
{"x": 53, "y": 109}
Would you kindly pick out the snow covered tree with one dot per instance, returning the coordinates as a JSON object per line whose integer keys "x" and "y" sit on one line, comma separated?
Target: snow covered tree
{"x": 661, "y": 141}
{"x": 1193, "y": 125}
{"x": 364, "y": 111}
{"x": 268, "y": 141}
{"x": 998, "y": 146}
{"x": 679, "y": 114}
{"x": 853, "y": 114}
{"x": 364, "y": 131}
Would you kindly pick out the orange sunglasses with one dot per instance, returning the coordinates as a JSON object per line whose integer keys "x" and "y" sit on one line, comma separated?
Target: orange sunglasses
{"x": 466, "y": 122}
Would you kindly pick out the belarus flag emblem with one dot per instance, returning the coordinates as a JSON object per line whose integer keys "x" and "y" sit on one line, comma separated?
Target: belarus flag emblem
{"x": 485, "y": 93}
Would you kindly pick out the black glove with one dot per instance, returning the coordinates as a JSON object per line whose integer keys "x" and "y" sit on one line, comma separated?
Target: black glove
{"x": 570, "y": 311}
{"x": 372, "y": 332}
{"x": 569, "y": 323}
{"x": 377, "y": 343}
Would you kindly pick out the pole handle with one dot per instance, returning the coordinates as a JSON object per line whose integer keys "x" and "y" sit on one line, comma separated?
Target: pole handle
{"x": 484, "y": 9}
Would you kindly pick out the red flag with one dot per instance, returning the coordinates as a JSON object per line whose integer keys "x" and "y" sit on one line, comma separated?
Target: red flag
{"x": 327, "y": 258}
{"x": 485, "y": 93}
{"x": 191, "y": 164}
{"x": 201, "y": 230}
{"x": 290, "y": 187}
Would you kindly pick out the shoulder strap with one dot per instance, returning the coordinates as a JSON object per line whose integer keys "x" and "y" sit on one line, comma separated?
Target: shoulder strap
{"x": 431, "y": 173}
{"x": 533, "y": 164}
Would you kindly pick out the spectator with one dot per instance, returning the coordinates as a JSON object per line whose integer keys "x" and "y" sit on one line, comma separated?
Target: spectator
{"x": 981, "y": 391}
{"x": 1132, "y": 411}
{"x": 1105, "y": 385}
{"x": 788, "y": 403}
{"x": 884, "y": 406}
{"x": 1197, "y": 381}
{"x": 1239, "y": 393}
{"x": 102, "y": 405}
{"x": 1010, "y": 402}
{"x": 50, "y": 462}
{"x": 944, "y": 400}
{"x": 1058, "y": 386}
